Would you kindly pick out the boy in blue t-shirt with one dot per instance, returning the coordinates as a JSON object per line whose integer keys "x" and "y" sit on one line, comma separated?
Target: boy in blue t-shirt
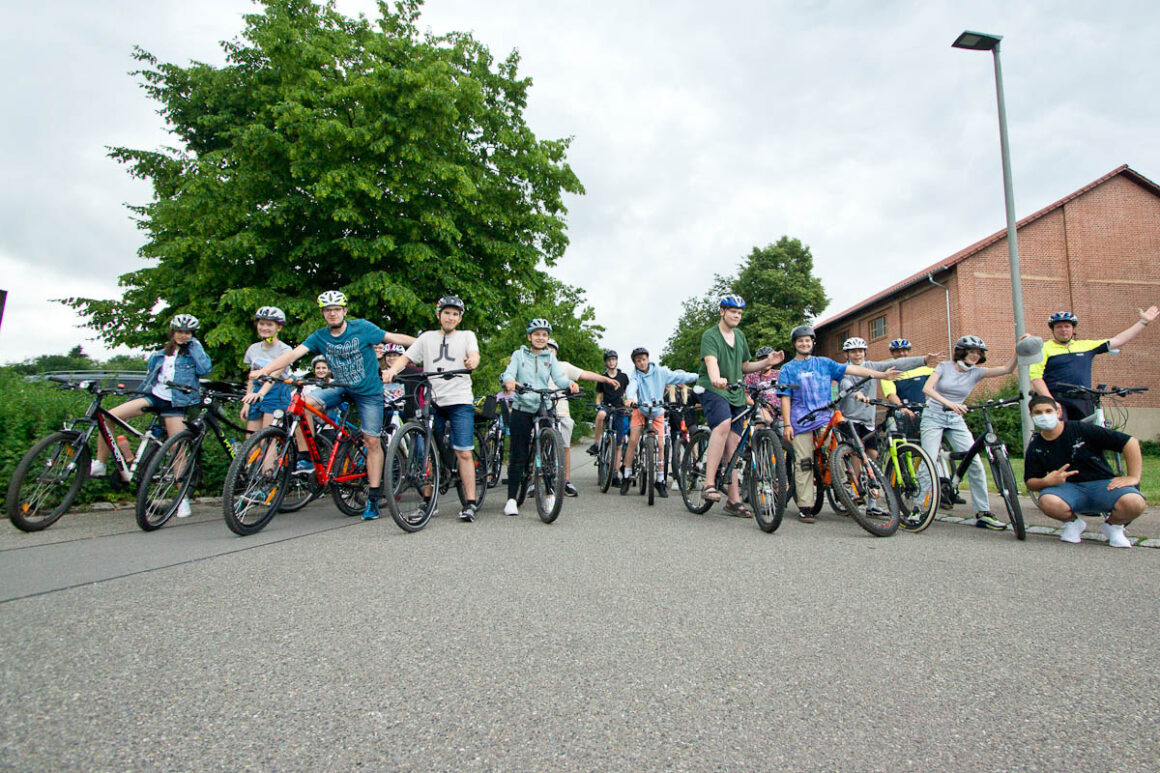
{"x": 804, "y": 384}
{"x": 349, "y": 347}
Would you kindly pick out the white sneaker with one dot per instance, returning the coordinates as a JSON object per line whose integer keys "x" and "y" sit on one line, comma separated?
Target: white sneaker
{"x": 511, "y": 508}
{"x": 1072, "y": 531}
{"x": 183, "y": 510}
{"x": 97, "y": 469}
{"x": 1115, "y": 534}
{"x": 549, "y": 502}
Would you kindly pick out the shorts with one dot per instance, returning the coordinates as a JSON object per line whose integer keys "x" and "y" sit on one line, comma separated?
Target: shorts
{"x": 462, "y": 420}
{"x": 1090, "y": 496}
{"x": 658, "y": 424}
{"x": 869, "y": 439}
{"x": 567, "y": 424}
{"x": 717, "y": 410}
{"x": 277, "y": 399}
{"x": 163, "y": 408}
{"x": 370, "y": 407}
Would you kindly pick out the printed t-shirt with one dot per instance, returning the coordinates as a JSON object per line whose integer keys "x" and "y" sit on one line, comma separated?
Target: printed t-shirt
{"x": 351, "y": 355}
{"x": 1080, "y": 445}
{"x": 436, "y": 351}
{"x": 808, "y": 383}
{"x": 168, "y": 373}
{"x": 729, "y": 360}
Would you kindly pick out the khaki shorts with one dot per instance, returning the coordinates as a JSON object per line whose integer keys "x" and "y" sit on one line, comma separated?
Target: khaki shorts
{"x": 567, "y": 424}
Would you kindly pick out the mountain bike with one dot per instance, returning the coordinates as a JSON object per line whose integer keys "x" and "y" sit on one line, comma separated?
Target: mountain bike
{"x": 48, "y": 478}
{"x": 1098, "y": 417}
{"x": 911, "y": 472}
{"x": 611, "y": 447}
{"x": 644, "y": 461}
{"x": 998, "y": 458}
{"x": 759, "y": 457}
{"x": 677, "y": 442}
{"x": 175, "y": 469}
{"x": 260, "y": 475}
{"x": 544, "y": 472}
{"x": 421, "y": 465}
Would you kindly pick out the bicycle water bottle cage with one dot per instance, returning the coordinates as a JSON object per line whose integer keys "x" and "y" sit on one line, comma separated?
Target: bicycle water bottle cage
{"x": 958, "y": 456}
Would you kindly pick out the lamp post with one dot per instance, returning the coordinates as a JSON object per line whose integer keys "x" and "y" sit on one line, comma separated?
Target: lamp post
{"x": 979, "y": 41}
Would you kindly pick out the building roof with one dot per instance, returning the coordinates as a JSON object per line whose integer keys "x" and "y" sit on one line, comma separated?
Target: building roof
{"x": 961, "y": 255}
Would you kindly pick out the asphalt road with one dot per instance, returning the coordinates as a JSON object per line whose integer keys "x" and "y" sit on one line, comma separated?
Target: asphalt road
{"x": 622, "y": 637}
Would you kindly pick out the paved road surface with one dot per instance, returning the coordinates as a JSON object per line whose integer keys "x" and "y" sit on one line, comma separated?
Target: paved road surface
{"x": 620, "y": 638}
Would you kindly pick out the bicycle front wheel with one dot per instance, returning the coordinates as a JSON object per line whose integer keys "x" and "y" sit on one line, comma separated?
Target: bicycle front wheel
{"x": 864, "y": 490}
{"x": 47, "y": 480}
{"x": 914, "y": 480}
{"x": 549, "y": 475}
{"x": 692, "y": 480}
{"x": 768, "y": 486}
{"x": 1005, "y": 482}
{"x": 166, "y": 480}
{"x": 650, "y": 467}
{"x": 303, "y": 485}
{"x": 604, "y": 463}
{"x": 257, "y": 480}
{"x": 414, "y": 477}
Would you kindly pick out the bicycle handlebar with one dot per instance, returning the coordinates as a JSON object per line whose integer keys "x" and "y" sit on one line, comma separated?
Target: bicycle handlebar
{"x": 1101, "y": 390}
{"x": 842, "y": 395}
{"x": 430, "y": 375}
{"x": 996, "y": 403}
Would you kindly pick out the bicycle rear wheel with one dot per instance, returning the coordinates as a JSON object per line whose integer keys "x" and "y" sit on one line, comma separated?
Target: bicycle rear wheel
{"x": 914, "y": 480}
{"x": 650, "y": 466}
{"x": 857, "y": 478}
{"x": 47, "y": 480}
{"x": 167, "y": 479}
{"x": 479, "y": 464}
{"x": 768, "y": 487}
{"x": 1005, "y": 482}
{"x": 415, "y": 477}
{"x": 692, "y": 480}
{"x": 348, "y": 477}
{"x": 257, "y": 480}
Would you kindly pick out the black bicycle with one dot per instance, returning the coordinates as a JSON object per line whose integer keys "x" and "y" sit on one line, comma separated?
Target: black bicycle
{"x": 611, "y": 447}
{"x": 544, "y": 472}
{"x": 175, "y": 469}
{"x": 420, "y": 465}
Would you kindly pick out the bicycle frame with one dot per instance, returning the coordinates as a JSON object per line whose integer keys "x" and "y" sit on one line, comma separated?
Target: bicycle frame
{"x": 98, "y": 417}
{"x": 988, "y": 439}
{"x": 296, "y": 412}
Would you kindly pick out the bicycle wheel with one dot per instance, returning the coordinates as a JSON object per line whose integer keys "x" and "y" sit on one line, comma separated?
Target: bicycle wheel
{"x": 822, "y": 462}
{"x": 496, "y": 449}
{"x": 479, "y": 464}
{"x": 167, "y": 479}
{"x": 650, "y": 466}
{"x": 604, "y": 463}
{"x": 1005, "y": 482}
{"x": 47, "y": 480}
{"x": 257, "y": 480}
{"x": 835, "y": 503}
{"x": 415, "y": 491}
{"x": 692, "y": 480}
{"x": 549, "y": 475}
{"x": 860, "y": 480}
{"x": 303, "y": 485}
{"x": 768, "y": 487}
{"x": 348, "y": 477}
{"x": 914, "y": 479}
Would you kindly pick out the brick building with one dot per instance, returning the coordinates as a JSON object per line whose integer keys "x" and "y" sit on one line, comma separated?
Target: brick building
{"x": 1095, "y": 252}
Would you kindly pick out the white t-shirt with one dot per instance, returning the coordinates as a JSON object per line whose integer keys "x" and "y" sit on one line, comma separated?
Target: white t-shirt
{"x": 433, "y": 351}
{"x": 168, "y": 373}
{"x": 573, "y": 373}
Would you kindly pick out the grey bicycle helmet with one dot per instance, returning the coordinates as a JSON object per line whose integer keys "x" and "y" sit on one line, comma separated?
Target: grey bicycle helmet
{"x": 272, "y": 313}
{"x": 637, "y": 352}
{"x": 970, "y": 342}
{"x": 539, "y": 323}
{"x": 763, "y": 352}
{"x": 454, "y": 301}
{"x": 319, "y": 358}
{"x": 184, "y": 322}
{"x": 801, "y": 331}
{"x": 552, "y": 343}
{"x": 609, "y": 354}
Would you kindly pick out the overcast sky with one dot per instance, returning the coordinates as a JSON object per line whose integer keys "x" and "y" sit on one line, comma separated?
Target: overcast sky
{"x": 700, "y": 131}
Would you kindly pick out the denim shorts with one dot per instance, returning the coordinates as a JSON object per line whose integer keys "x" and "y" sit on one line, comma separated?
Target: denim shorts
{"x": 277, "y": 399}
{"x": 370, "y": 407}
{"x": 717, "y": 409}
{"x": 163, "y": 408}
{"x": 1090, "y": 496}
{"x": 462, "y": 419}
{"x": 619, "y": 424}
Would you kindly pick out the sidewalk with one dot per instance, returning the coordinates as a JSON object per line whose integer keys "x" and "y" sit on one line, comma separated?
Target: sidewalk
{"x": 1143, "y": 532}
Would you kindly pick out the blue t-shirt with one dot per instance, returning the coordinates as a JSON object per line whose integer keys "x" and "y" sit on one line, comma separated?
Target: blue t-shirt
{"x": 812, "y": 379}
{"x": 351, "y": 355}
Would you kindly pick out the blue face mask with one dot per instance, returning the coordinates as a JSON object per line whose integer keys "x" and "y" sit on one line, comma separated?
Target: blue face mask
{"x": 1045, "y": 421}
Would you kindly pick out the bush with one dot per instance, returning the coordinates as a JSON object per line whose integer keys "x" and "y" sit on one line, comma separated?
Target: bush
{"x": 1006, "y": 420}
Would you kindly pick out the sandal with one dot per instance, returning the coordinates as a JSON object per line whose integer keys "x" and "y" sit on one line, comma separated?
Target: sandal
{"x": 711, "y": 494}
{"x": 738, "y": 509}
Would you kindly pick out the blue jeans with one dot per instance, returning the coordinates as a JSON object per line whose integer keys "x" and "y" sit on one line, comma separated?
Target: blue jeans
{"x": 462, "y": 419}
{"x": 938, "y": 424}
{"x": 370, "y": 407}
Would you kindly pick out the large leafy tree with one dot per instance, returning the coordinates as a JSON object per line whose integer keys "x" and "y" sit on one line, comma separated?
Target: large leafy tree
{"x": 339, "y": 153}
{"x": 780, "y": 291}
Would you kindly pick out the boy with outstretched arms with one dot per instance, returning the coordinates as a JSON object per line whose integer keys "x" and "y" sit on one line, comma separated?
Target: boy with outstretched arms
{"x": 804, "y": 384}
{"x": 647, "y": 384}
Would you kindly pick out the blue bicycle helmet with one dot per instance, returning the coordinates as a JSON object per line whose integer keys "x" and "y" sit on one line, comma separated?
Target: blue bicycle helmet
{"x": 732, "y": 301}
{"x": 1062, "y": 316}
{"x": 899, "y": 343}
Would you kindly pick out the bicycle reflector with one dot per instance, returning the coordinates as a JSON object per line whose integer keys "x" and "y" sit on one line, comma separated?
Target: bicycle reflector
{"x": 278, "y": 414}
{"x": 991, "y": 437}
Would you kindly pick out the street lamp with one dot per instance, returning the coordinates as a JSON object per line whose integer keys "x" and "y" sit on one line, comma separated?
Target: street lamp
{"x": 980, "y": 41}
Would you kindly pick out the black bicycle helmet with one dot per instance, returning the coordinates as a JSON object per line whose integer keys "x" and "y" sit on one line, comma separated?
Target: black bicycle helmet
{"x": 454, "y": 301}
{"x": 638, "y": 351}
{"x": 609, "y": 354}
{"x": 763, "y": 352}
{"x": 801, "y": 331}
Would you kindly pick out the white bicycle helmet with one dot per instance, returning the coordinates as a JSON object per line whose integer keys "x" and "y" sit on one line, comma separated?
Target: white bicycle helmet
{"x": 272, "y": 313}
{"x": 332, "y": 298}
{"x": 971, "y": 342}
{"x": 184, "y": 322}
{"x": 855, "y": 343}
{"x": 552, "y": 343}
{"x": 395, "y": 349}
{"x": 539, "y": 323}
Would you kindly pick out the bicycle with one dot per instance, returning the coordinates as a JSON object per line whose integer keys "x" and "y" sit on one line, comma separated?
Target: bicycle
{"x": 644, "y": 461}
{"x": 544, "y": 472}
{"x": 998, "y": 459}
{"x": 909, "y": 469}
{"x": 677, "y": 443}
{"x": 1098, "y": 417}
{"x": 260, "y": 474}
{"x": 174, "y": 470}
{"x": 48, "y": 478}
{"x": 758, "y": 455}
{"x": 847, "y": 470}
{"x": 612, "y": 445}
{"x": 421, "y": 465}
{"x": 495, "y": 435}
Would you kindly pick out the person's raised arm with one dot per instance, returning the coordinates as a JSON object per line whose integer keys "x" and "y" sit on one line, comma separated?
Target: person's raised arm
{"x": 765, "y": 363}
{"x": 858, "y": 370}
{"x": 280, "y": 362}
{"x": 398, "y": 338}
{"x": 1136, "y": 328}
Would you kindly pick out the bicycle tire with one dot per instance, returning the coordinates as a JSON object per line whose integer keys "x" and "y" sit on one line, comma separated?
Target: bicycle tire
{"x": 479, "y": 464}
{"x": 495, "y": 453}
{"x": 692, "y": 480}
{"x": 835, "y": 503}
{"x": 303, "y": 487}
{"x": 851, "y": 483}
{"x": 167, "y": 479}
{"x": 549, "y": 476}
{"x": 32, "y": 507}
{"x": 350, "y": 497}
{"x": 821, "y": 465}
{"x": 415, "y": 495}
{"x": 915, "y": 482}
{"x": 650, "y": 467}
{"x": 251, "y": 495}
{"x": 1001, "y": 470}
{"x": 604, "y": 464}
{"x": 768, "y": 486}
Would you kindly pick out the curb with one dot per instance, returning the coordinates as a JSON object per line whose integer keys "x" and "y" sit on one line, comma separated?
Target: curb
{"x": 1088, "y": 536}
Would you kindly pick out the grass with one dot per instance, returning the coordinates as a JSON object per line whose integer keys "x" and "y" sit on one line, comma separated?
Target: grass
{"x": 1149, "y": 480}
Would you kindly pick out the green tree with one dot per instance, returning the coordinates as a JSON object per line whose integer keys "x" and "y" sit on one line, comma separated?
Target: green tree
{"x": 780, "y": 291}
{"x": 339, "y": 153}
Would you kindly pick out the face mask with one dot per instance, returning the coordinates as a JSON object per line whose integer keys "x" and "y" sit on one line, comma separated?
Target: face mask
{"x": 1045, "y": 421}
{"x": 963, "y": 364}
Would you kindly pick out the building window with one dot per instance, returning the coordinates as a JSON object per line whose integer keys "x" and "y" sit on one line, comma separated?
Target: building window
{"x": 878, "y": 327}
{"x": 843, "y": 336}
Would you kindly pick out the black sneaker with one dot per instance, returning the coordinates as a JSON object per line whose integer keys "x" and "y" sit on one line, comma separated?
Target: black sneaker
{"x": 467, "y": 514}
{"x": 625, "y": 485}
{"x": 570, "y": 490}
{"x": 662, "y": 489}
{"x": 593, "y": 450}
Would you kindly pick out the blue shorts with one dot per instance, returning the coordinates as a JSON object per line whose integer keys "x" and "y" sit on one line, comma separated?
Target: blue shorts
{"x": 717, "y": 409}
{"x": 619, "y": 425}
{"x": 462, "y": 419}
{"x": 277, "y": 399}
{"x": 370, "y": 407}
{"x": 162, "y": 407}
{"x": 1090, "y": 496}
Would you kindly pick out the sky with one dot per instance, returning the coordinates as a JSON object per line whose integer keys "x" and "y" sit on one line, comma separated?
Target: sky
{"x": 699, "y": 132}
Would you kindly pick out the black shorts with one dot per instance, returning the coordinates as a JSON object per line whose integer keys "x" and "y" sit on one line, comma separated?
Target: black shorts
{"x": 866, "y": 433}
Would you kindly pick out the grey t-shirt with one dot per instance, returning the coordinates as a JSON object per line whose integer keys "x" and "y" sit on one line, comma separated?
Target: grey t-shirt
{"x": 863, "y": 413}
{"x": 258, "y": 356}
{"x": 953, "y": 384}
{"x": 433, "y": 351}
